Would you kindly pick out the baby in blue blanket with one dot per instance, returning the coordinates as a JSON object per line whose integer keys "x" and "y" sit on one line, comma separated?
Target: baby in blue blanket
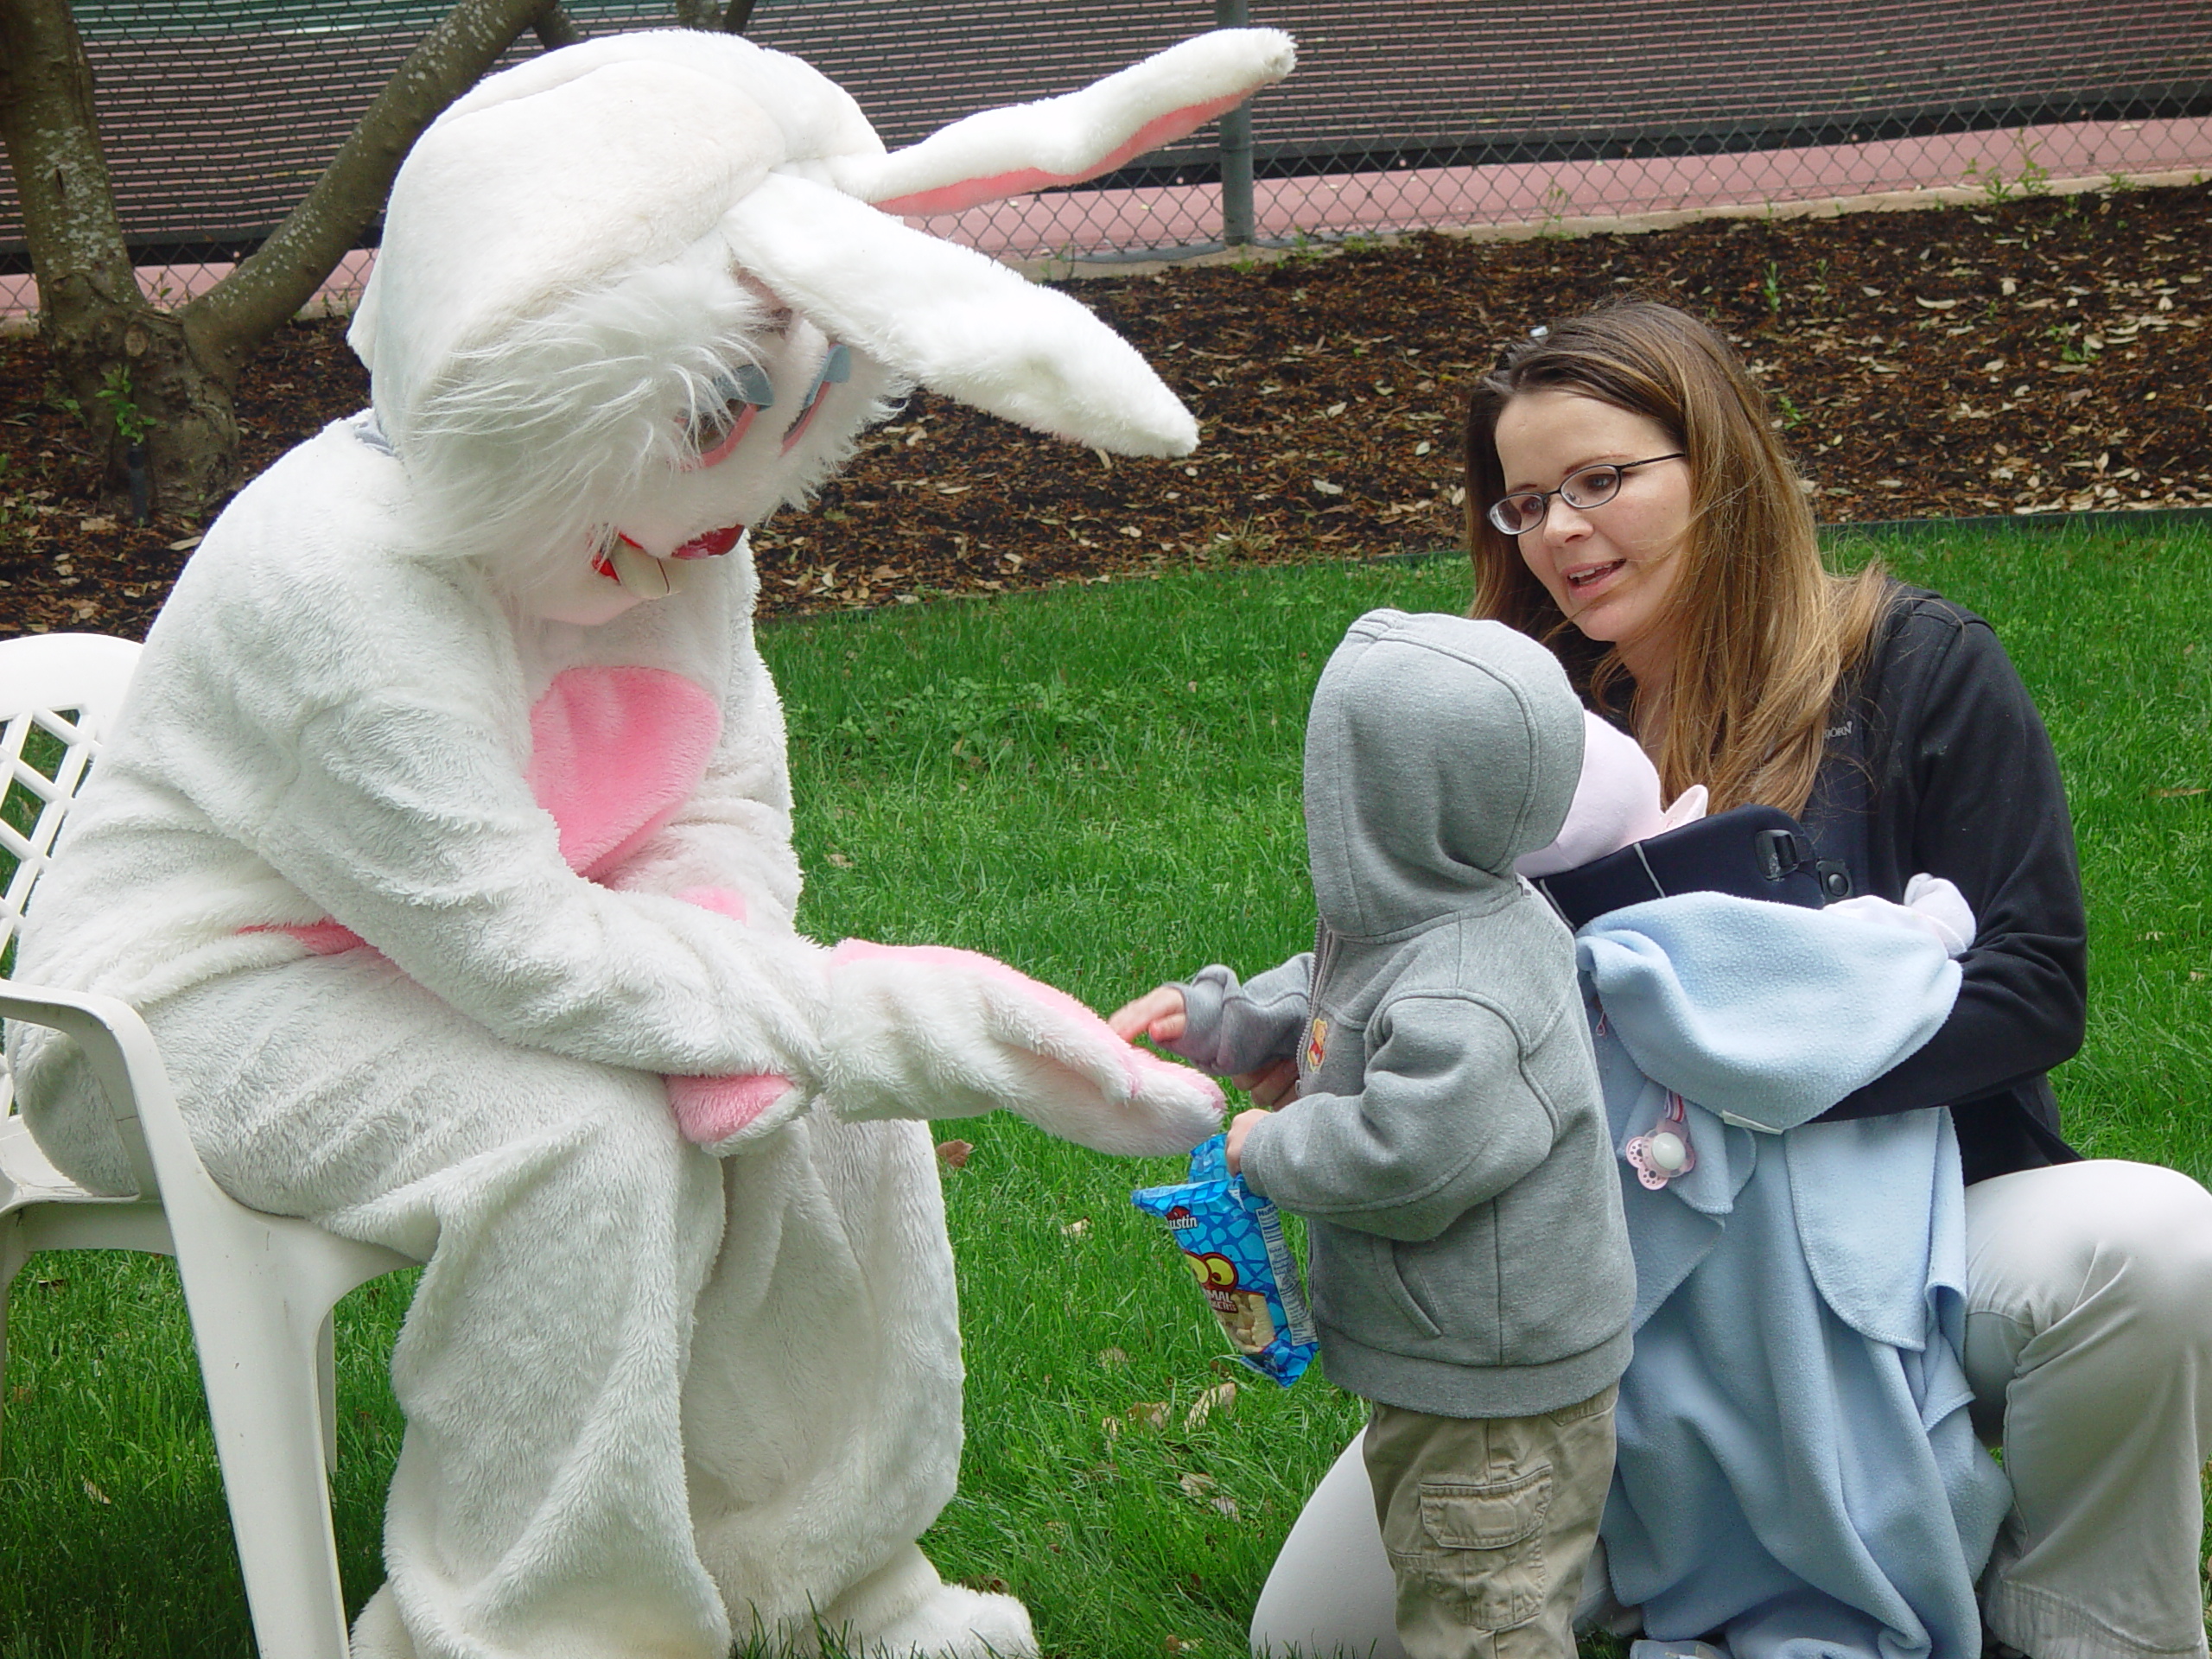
{"x": 1796, "y": 1470}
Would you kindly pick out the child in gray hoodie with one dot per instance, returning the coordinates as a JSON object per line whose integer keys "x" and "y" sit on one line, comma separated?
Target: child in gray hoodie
{"x": 1446, "y": 1143}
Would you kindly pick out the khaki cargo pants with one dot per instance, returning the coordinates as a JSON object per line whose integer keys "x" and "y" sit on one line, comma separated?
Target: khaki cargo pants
{"x": 1488, "y": 1521}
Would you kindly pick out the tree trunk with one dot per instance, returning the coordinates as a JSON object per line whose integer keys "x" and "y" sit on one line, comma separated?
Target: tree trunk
{"x": 172, "y": 374}
{"x": 112, "y": 347}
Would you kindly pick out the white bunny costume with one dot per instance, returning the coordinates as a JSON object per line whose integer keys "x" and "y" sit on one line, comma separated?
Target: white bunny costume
{"x": 449, "y": 856}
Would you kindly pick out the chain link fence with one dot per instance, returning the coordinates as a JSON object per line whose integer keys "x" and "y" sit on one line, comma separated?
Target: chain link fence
{"x": 1404, "y": 114}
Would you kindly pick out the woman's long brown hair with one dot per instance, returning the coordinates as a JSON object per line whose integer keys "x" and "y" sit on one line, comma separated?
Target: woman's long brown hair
{"x": 1763, "y": 634}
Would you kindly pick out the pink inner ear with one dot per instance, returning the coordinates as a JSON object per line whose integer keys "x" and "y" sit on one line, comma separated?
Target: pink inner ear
{"x": 962, "y": 193}
{"x": 615, "y": 753}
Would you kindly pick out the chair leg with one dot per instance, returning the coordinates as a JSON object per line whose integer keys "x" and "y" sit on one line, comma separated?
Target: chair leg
{"x": 265, "y": 1396}
{"x": 326, "y": 1376}
{"x": 13, "y": 1255}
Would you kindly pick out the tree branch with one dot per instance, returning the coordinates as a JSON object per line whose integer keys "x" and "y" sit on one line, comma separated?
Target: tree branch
{"x": 283, "y": 274}
{"x": 554, "y": 28}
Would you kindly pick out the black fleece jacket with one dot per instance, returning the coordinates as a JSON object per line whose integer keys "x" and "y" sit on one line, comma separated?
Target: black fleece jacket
{"x": 1937, "y": 761}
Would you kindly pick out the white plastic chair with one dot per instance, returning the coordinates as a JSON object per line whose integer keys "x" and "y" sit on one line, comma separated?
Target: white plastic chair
{"x": 259, "y": 1287}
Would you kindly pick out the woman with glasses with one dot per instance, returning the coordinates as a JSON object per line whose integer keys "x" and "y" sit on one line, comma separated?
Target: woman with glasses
{"x": 1629, "y": 506}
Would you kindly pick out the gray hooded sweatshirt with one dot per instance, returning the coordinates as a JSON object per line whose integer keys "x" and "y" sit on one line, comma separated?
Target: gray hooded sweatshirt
{"x": 1447, "y": 1144}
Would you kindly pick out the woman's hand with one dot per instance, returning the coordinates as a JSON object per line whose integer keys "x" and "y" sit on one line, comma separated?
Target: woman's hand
{"x": 1271, "y": 1084}
{"x": 1239, "y": 1127}
{"x": 1158, "y": 1014}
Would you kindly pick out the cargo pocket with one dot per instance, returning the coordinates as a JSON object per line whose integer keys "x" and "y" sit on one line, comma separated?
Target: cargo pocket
{"x": 1482, "y": 1547}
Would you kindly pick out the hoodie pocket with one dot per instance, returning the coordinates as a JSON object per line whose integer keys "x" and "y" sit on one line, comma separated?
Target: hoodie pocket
{"x": 1401, "y": 1296}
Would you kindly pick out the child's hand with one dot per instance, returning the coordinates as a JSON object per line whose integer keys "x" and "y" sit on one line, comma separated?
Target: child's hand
{"x": 1239, "y": 1127}
{"x": 1158, "y": 1014}
{"x": 1270, "y": 1085}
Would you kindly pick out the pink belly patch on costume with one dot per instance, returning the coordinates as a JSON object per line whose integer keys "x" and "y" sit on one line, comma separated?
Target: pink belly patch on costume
{"x": 614, "y": 754}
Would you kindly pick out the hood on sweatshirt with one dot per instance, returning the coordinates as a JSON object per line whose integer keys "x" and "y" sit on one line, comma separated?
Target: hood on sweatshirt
{"x": 1439, "y": 750}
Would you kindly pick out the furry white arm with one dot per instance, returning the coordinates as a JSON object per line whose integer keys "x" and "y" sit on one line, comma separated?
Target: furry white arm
{"x": 929, "y": 1032}
{"x": 415, "y": 833}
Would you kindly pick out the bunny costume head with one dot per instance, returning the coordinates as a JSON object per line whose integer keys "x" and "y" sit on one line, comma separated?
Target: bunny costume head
{"x": 638, "y": 293}
{"x": 454, "y": 872}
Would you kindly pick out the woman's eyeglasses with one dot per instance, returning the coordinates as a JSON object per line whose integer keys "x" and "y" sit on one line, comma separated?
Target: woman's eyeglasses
{"x": 1593, "y": 487}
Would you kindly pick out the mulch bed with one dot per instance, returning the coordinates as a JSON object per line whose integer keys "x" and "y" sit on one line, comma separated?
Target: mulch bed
{"x": 2030, "y": 355}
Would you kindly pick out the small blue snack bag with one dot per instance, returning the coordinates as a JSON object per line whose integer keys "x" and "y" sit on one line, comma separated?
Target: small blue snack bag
{"x": 1233, "y": 1240}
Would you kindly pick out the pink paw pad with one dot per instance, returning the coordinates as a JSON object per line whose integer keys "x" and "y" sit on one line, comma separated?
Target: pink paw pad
{"x": 709, "y": 1111}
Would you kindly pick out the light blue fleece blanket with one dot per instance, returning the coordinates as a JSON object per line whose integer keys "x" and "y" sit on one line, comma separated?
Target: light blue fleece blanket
{"x": 1797, "y": 1469}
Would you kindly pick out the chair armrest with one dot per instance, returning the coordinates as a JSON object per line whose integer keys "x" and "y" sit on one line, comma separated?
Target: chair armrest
{"x": 123, "y": 1056}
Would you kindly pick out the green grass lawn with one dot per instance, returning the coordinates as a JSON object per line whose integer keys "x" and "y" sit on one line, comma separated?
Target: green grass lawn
{"x": 1100, "y": 784}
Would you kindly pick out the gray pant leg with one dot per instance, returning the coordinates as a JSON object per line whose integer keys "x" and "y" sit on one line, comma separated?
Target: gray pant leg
{"x": 2089, "y": 1348}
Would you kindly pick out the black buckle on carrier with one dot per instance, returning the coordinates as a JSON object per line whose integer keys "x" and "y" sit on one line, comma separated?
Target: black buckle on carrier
{"x": 1784, "y": 852}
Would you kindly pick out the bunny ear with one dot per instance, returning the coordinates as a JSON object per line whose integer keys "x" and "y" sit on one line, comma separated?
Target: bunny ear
{"x": 961, "y": 324}
{"x": 1061, "y": 141}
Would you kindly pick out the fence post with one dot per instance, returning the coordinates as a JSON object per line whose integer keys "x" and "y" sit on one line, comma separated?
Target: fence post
{"x": 1236, "y": 145}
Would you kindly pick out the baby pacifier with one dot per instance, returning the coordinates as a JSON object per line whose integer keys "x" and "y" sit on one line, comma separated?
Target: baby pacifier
{"x": 1665, "y": 1153}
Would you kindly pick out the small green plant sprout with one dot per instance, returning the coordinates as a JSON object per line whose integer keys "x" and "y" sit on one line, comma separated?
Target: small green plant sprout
{"x": 2068, "y": 350}
{"x": 1771, "y": 285}
{"x": 1993, "y": 183}
{"x": 2032, "y": 178}
{"x": 132, "y": 422}
{"x": 1556, "y": 201}
{"x": 1791, "y": 415}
